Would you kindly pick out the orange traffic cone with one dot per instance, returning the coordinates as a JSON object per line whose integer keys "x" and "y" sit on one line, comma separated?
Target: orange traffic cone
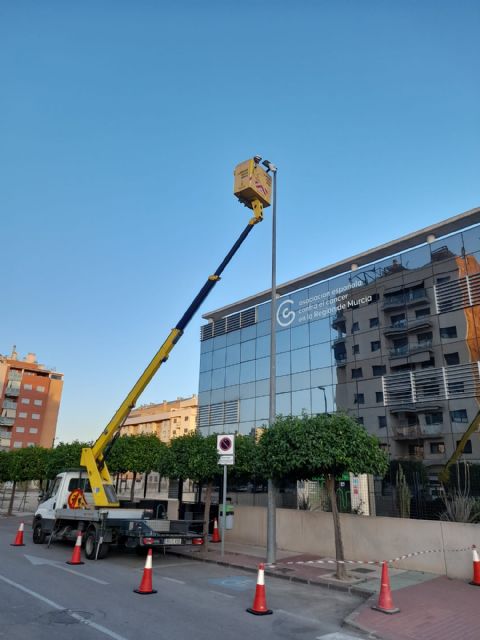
{"x": 18, "y": 542}
{"x": 216, "y": 535}
{"x": 259, "y": 606}
{"x": 146, "y": 583}
{"x": 385, "y": 602}
{"x": 77, "y": 551}
{"x": 476, "y": 568}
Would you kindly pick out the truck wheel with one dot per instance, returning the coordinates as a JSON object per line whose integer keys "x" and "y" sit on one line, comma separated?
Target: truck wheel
{"x": 91, "y": 547}
{"x": 38, "y": 534}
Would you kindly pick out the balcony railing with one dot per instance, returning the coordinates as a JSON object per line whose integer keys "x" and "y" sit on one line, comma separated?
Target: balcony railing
{"x": 6, "y": 422}
{"x": 407, "y": 298}
{"x": 413, "y": 432}
{"x": 404, "y": 326}
{"x": 408, "y": 349}
{"x": 12, "y": 391}
{"x": 341, "y": 360}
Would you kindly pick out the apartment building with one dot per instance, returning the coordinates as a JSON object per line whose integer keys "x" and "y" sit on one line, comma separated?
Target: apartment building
{"x": 168, "y": 419}
{"x": 30, "y": 401}
{"x": 390, "y": 335}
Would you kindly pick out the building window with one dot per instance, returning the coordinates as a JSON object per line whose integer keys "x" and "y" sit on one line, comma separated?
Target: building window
{"x": 375, "y": 298}
{"x": 435, "y": 417}
{"x": 448, "y": 332}
{"x": 421, "y": 313}
{"x": 425, "y": 338}
{"x": 22, "y": 414}
{"x": 379, "y": 396}
{"x": 398, "y": 320}
{"x": 30, "y": 444}
{"x": 25, "y": 400}
{"x": 467, "y": 447}
{"x": 359, "y": 398}
{"x": 374, "y": 323}
{"x": 355, "y": 327}
{"x": 19, "y": 429}
{"x": 27, "y": 387}
{"x": 185, "y": 419}
{"x": 375, "y": 345}
{"x": 360, "y": 420}
{"x": 41, "y": 389}
{"x": 35, "y": 416}
{"x": 415, "y": 450}
{"x": 442, "y": 279}
{"x": 437, "y": 447}
{"x": 355, "y": 349}
{"x": 357, "y": 373}
{"x": 17, "y": 445}
{"x": 379, "y": 370}
{"x": 33, "y": 430}
{"x": 459, "y": 415}
{"x": 38, "y": 403}
{"x": 382, "y": 422}
{"x": 452, "y": 358}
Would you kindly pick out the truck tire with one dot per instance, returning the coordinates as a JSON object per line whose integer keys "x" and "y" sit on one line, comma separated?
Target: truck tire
{"x": 91, "y": 547}
{"x": 38, "y": 535}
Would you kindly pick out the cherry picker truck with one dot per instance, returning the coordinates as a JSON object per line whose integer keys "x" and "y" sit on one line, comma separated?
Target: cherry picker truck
{"x": 88, "y": 502}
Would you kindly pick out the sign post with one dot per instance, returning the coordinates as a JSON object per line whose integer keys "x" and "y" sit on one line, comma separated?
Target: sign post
{"x": 226, "y": 456}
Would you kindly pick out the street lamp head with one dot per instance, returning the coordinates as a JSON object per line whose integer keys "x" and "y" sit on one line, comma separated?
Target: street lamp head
{"x": 257, "y": 159}
{"x": 270, "y": 166}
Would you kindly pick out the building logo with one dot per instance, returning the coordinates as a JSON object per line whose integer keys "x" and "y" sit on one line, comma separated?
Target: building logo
{"x": 285, "y": 314}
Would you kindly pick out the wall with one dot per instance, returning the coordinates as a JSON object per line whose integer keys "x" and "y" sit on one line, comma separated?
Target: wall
{"x": 365, "y": 538}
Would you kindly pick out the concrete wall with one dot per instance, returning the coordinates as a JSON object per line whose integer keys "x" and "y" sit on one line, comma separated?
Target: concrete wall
{"x": 365, "y": 538}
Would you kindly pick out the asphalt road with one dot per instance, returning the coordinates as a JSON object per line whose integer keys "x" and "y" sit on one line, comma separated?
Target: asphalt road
{"x": 42, "y": 597}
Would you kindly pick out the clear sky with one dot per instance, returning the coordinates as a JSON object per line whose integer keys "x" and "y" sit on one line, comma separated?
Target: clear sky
{"x": 121, "y": 123}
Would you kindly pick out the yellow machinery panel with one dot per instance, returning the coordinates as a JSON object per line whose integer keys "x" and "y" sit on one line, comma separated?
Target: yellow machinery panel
{"x": 252, "y": 183}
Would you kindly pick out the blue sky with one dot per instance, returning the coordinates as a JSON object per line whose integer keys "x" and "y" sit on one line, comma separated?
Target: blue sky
{"x": 121, "y": 123}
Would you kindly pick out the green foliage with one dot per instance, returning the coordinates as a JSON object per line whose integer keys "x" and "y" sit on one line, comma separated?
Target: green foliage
{"x": 64, "y": 456}
{"x": 138, "y": 454}
{"x": 195, "y": 457}
{"x": 28, "y": 463}
{"x": 301, "y": 448}
{"x": 247, "y": 464}
{"x": 414, "y": 471}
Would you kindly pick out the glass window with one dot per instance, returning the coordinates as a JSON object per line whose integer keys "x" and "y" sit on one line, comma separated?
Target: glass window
{"x": 283, "y": 384}
{"x": 248, "y": 333}
{"x": 33, "y": 430}
{"x": 247, "y": 390}
{"x": 300, "y": 336}
{"x": 422, "y": 313}
{"x": 355, "y": 327}
{"x": 374, "y": 323}
{"x": 27, "y": 387}
{"x": 218, "y": 378}
{"x": 283, "y": 364}
{"x": 301, "y": 381}
{"x": 359, "y": 398}
{"x": 467, "y": 447}
{"x": 232, "y": 393}
{"x": 218, "y": 395}
{"x": 452, "y": 358}
{"x": 283, "y": 405}
{"x": 206, "y": 361}
{"x": 357, "y": 373}
{"x": 247, "y": 350}
{"x": 263, "y": 312}
{"x": 379, "y": 370}
{"x": 205, "y": 381}
{"x": 375, "y": 345}
{"x": 459, "y": 415}
{"x": 447, "y": 248}
{"x": 219, "y": 342}
{"x": 382, "y": 422}
{"x": 355, "y": 349}
{"x": 19, "y": 429}
{"x": 40, "y": 388}
{"x": 321, "y": 377}
{"x": 448, "y": 332}
{"x": 437, "y": 447}
{"x": 471, "y": 239}
{"x": 320, "y": 355}
{"x": 379, "y": 396}
{"x": 22, "y": 414}
{"x": 435, "y": 417}
{"x": 263, "y": 329}
{"x": 262, "y": 406}
{"x": 247, "y": 409}
{"x": 247, "y": 371}
{"x": 282, "y": 341}
{"x": 233, "y": 354}
{"x": 301, "y": 402}
{"x": 320, "y": 331}
{"x": 263, "y": 346}
{"x": 262, "y": 368}
{"x": 17, "y": 445}
{"x": 218, "y": 359}
{"x": 300, "y": 360}
{"x": 232, "y": 375}
{"x": 233, "y": 338}
{"x": 416, "y": 258}
{"x": 262, "y": 387}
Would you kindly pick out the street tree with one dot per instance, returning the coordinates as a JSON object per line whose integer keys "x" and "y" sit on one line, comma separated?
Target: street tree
{"x": 66, "y": 455}
{"x": 306, "y": 447}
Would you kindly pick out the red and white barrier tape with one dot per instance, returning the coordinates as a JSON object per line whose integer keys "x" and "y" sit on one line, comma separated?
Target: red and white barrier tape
{"x": 404, "y": 557}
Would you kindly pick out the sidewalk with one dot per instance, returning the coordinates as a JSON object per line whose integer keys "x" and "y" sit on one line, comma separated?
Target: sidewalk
{"x": 431, "y": 606}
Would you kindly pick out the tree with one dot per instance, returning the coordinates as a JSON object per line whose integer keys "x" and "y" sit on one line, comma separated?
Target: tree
{"x": 64, "y": 456}
{"x": 22, "y": 465}
{"x": 302, "y": 448}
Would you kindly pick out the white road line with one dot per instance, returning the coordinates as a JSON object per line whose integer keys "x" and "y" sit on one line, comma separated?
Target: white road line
{"x": 173, "y": 580}
{"x": 297, "y": 616}
{"x": 58, "y": 607}
{"x": 82, "y": 575}
{"x": 219, "y": 593}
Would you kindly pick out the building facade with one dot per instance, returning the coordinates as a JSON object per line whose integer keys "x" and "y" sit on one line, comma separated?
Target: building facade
{"x": 167, "y": 420}
{"x": 30, "y": 400}
{"x": 391, "y": 336}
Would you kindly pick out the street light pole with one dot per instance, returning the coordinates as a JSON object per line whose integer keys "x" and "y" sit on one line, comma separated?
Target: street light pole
{"x": 271, "y": 516}
{"x": 324, "y": 397}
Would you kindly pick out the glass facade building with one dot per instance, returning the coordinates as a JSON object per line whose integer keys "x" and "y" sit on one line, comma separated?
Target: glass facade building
{"x": 392, "y": 336}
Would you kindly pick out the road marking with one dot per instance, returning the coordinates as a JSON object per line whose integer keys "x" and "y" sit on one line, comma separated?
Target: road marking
{"x": 159, "y": 565}
{"x": 72, "y": 614}
{"x": 297, "y": 616}
{"x": 219, "y": 593}
{"x": 35, "y": 560}
{"x": 173, "y": 580}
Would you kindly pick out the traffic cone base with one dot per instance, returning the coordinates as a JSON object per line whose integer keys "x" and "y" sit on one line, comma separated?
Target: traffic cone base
{"x": 18, "y": 542}
{"x": 476, "y": 569}
{"x": 215, "y": 535}
{"x": 385, "y": 602}
{"x": 259, "y": 606}
{"x": 145, "y": 587}
{"x": 77, "y": 551}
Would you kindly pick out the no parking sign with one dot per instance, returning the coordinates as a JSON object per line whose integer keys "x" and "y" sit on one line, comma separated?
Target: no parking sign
{"x": 226, "y": 449}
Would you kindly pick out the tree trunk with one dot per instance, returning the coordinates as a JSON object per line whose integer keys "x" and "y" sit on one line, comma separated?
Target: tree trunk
{"x": 132, "y": 488}
{"x": 206, "y": 512}
{"x": 180, "y": 497}
{"x": 117, "y": 480}
{"x": 145, "y": 486}
{"x": 12, "y": 498}
{"x": 341, "y": 573}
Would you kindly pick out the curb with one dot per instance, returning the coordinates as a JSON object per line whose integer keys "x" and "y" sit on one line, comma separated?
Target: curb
{"x": 351, "y": 619}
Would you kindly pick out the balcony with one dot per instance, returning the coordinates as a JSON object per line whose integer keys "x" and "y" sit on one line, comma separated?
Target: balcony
{"x": 12, "y": 391}
{"x": 338, "y": 323}
{"x": 404, "y": 326}
{"x": 341, "y": 360}
{"x": 6, "y": 422}
{"x": 408, "y": 298}
{"x": 340, "y": 339}
{"x": 413, "y": 432}
{"x": 409, "y": 349}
